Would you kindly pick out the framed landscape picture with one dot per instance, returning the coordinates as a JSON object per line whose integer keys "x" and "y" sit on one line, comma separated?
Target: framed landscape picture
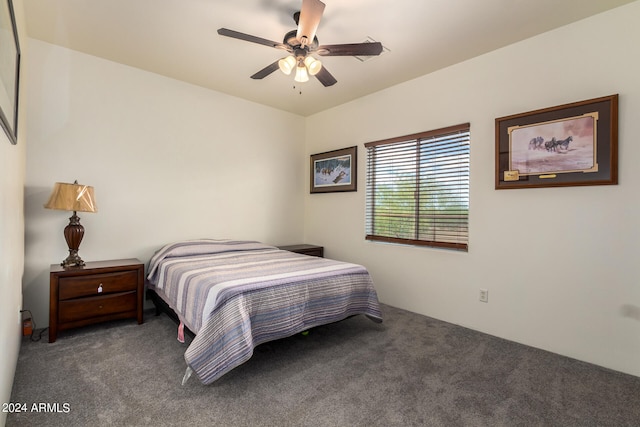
{"x": 334, "y": 171}
{"x": 567, "y": 145}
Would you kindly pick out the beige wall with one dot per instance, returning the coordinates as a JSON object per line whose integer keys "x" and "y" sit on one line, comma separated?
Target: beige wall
{"x": 12, "y": 176}
{"x": 168, "y": 161}
{"x": 11, "y": 259}
{"x": 561, "y": 265}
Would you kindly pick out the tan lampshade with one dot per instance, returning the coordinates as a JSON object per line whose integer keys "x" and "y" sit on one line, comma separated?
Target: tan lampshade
{"x": 72, "y": 197}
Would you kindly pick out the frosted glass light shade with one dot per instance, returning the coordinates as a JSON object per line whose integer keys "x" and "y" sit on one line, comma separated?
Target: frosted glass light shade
{"x": 301, "y": 74}
{"x": 313, "y": 65}
{"x": 287, "y": 64}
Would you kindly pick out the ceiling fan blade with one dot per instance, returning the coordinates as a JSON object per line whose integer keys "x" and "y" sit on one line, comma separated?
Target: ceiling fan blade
{"x": 309, "y": 19}
{"x": 250, "y": 38}
{"x": 265, "y": 71}
{"x": 325, "y": 77}
{"x": 351, "y": 49}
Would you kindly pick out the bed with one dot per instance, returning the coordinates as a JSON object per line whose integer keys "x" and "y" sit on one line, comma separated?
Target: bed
{"x": 234, "y": 295}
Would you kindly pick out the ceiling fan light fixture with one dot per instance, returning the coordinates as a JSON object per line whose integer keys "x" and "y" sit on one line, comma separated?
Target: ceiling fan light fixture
{"x": 301, "y": 42}
{"x": 313, "y": 65}
{"x": 301, "y": 74}
{"x": 286, "y": 64}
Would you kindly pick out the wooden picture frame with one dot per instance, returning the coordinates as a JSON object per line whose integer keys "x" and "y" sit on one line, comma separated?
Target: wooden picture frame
{"x": 567, "y": 145}
{"x": 334, "y": 171}
{"x": 9, "y": 71}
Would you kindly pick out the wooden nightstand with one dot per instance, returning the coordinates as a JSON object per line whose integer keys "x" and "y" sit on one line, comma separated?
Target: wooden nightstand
{"x": 97, "y": 292}
{"x": 312, "y": 250}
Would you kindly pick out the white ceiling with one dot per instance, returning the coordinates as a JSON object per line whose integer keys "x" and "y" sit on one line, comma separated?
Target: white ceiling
{"x": 178, "y": 39}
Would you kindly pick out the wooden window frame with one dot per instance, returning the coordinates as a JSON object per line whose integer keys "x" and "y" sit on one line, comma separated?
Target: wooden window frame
{"x": 381, "y": 164}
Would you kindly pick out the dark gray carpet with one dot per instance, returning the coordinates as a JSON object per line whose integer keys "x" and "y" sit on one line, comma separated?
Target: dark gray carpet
{"x": 410, "y": 370}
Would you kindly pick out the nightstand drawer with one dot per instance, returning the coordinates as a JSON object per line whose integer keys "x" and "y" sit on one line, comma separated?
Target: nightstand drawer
{"x": 70, "y": 311}
{"x": 97, "y": 284}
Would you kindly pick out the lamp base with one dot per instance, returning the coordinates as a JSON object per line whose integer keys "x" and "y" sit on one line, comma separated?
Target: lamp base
{"x": 73, "y": 234}
{"x": 73, "y": 260}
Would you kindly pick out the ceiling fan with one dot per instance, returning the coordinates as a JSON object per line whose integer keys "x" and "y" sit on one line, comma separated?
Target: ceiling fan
{"x": 301, "y": 43}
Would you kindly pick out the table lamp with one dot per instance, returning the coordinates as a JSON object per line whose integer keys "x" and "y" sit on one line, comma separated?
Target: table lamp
{"x": 77, "y": 198}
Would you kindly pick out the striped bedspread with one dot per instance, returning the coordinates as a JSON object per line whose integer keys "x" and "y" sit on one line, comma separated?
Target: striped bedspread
{"x": 235, "y": 295}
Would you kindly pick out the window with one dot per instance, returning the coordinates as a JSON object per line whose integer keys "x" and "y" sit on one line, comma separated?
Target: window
{"x": 418, "y": 188}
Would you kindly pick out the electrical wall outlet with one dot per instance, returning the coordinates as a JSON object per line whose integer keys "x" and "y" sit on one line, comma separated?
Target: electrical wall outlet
{"x": 484, "y": 295}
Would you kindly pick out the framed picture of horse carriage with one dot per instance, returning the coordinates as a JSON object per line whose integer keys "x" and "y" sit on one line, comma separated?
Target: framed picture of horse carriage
{"x": 334, "y": 171}
{"x": 567, "y": 145}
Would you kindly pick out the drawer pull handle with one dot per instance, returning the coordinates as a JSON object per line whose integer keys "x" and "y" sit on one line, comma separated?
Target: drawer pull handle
{"x": 100, "y": 288}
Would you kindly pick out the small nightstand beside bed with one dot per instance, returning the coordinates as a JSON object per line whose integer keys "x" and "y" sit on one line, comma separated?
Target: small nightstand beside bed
{"x": 97, "y": 292}
{"x": 235, "y": 295}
